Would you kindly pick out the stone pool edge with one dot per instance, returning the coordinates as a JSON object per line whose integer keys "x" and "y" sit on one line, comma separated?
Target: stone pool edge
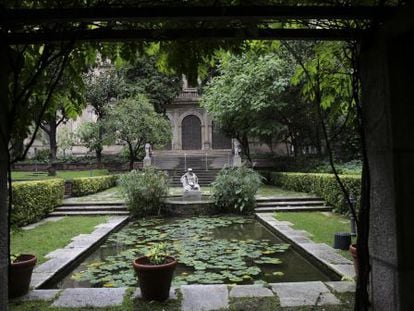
{"x": 201, "y": 297}
{"x": 321, "y": 252}
{"x": 63, "y": 259}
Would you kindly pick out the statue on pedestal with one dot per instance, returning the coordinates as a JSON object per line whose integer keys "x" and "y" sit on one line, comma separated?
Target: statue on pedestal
{"x": 236, "y": 156}
{"x": 147, "y": 158}
{"x": 190, "y": 181}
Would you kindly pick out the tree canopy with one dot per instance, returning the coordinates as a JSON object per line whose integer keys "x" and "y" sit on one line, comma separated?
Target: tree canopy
{"x": 134, "y": 121}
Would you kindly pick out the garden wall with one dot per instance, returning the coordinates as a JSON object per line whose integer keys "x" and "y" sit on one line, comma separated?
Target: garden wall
{"x": 323, "y": 185}
{"x": 32, "y": 200}
{"x": 75, "y": 166}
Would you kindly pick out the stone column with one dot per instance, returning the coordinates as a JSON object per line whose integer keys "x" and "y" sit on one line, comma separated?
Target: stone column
{"x": 4, "y": 160}
{"x": 388, "y": 99}
{"x": 205, "y": 143}
{"x": 174, "y": 128}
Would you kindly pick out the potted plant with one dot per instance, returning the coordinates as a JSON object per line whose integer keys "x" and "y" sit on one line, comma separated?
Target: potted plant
{"x": 155, "y": 271}
{"x": 20, "y": 274}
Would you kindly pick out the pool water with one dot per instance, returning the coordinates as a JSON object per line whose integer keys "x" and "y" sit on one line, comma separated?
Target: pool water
{"x": 209, "y": 250}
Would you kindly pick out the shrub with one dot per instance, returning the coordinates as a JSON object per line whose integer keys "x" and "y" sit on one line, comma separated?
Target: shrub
{"x": 323, "y": 185}
{"x": 144, "y": 191}
{"x": 88, "y": 185}
{"x": 32, "y": 200}
{"x": 353, "y": 167}
{"x": 234, "y": 189}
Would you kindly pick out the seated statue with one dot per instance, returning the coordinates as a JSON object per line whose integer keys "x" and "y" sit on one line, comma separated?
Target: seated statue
{"x": 190, "y": 181}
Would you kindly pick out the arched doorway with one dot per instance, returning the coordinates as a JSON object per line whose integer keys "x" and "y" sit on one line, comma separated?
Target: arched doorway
{"x": 191, "y": 133}
{"x": 220, "y": 141}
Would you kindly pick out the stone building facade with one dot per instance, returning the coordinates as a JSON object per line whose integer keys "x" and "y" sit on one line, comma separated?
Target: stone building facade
{"x": 192, "y": 127}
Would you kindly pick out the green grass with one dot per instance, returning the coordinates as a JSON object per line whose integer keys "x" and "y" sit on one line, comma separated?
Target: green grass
{"x": 66, "y": 175}
{"x": 51, "y": 235}
{"x": 322, "y": 226}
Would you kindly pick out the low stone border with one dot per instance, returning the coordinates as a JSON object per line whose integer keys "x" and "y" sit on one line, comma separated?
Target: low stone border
{"x": 202, "y": 297}
{"x": 323, "y": 253}
{"x": 63, "y": 259}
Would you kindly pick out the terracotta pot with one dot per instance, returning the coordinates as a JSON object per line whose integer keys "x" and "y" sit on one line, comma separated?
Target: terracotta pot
{"x": 354, "y": 253}
{"x": 20, "y": 275}
{"x": 154, "y": 280}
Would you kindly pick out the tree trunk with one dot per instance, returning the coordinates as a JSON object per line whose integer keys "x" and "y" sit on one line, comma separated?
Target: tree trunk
{"x": 98, "y": 152}
{"x": 4, "y": 162}
{"x": 132, "y": 156}
{"x": 53, "y": 147}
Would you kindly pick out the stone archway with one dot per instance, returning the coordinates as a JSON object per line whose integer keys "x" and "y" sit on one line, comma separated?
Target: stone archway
{"x": 191, "y": 133}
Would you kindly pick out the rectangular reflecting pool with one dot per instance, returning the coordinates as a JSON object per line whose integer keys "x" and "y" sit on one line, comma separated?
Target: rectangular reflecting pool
{"x": 210, "y": 250}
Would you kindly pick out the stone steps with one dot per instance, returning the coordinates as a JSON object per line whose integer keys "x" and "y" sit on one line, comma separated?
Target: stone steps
{"x": 286, "y": 199}
{"x": 90, "y": 209}
{"x": 321, "y": 208}
{"x": 89, "y": 213}
{"x": 103, "y": 203}
{"x": 290, "y": 204}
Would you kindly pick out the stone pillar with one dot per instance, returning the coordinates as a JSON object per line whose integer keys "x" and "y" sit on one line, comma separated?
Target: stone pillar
{"x": 205, "y": 138}
{"x": 387, "y": 68}
{"x": 174, "y": 128}
{"x": 4, "y": 160}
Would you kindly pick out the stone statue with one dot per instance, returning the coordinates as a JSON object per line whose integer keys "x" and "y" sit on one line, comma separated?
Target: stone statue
{"x": 237, "y": 147}
{"x": 147, "y": 158}
{"x": 147, "y": 150}
{"x": 190, "y": 181}
{"x": 237, "y": 162}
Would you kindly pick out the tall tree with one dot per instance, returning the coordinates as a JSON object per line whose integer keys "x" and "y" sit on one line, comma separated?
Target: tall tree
{"x": 142, "y": 75}
{"x": 134, "y": 122}
{"x": 104, "y": 86}
{"x": 245, "y": 98}
{"x": 66, "y": 102}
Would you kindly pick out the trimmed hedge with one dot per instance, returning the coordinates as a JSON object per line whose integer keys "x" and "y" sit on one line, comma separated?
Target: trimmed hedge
{"x": 88, "y": 185}
{"x": 32, "y": 200}
{"x": 323, "y": 185}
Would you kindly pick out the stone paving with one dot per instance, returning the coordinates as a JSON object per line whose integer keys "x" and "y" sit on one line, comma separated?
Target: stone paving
{"x": 319, "y": 251}
{"x": 61, "y": 258}
{"x": 202, "y": 297}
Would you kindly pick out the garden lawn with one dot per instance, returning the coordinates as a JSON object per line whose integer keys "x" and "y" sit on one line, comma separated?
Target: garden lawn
{"x": 66, "y": 175}
{"x": 322, "y": 226}
{"x": 52, "y": 235}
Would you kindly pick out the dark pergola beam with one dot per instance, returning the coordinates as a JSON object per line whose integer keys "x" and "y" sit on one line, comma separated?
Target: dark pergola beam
{"x": 107, "y": 35}
{"x": 222, "y": 13}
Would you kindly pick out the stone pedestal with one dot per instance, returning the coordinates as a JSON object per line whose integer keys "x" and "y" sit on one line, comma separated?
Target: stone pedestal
{"x": 191, "y": 195}
{"x": 146, "y": 162}
{"x": 237, "y": 162}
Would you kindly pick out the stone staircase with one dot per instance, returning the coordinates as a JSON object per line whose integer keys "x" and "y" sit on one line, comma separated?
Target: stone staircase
{"x": 290, "y": 204}
{"x": 90, "y": 209}
{"x": 204, "y": 165}
{"x": 205, "y": 178}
